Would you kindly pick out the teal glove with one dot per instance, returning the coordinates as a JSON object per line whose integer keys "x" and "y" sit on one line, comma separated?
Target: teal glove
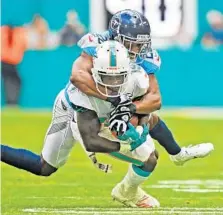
{"x": 131, "y": 133}
{"x": 134, "y": 137}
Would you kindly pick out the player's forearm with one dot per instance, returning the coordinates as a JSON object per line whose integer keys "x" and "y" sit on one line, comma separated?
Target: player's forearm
{"x": 85, "y": 83}
{"x": 150, "y": 102}
{"x": 88, "y": 91}
{"x": 100, "y": 144}
{"x": 89, "y": 128}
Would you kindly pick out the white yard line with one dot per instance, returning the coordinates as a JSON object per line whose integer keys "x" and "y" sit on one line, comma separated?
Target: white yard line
{"x": 199, "y": 190}
{"x": 192, "y": 182}
{"x": 192, "y": 186}
{"x": 136, "y": 209}
{"x": 92, "y": 210}
{"x": 172, "y": 186}
{"x": 101, "y": 198}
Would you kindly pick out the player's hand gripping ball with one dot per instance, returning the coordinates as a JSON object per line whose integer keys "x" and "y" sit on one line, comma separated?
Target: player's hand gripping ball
{"x": 134, "y": 121}
{"x": 135, "y": 136}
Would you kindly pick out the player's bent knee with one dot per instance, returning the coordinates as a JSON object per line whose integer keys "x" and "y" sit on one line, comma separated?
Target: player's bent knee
{"x": 151, "y": 163}
{"x": 156, "y": 154}
{"x": 47, "y": 169}
{"x": 154, "y": 119}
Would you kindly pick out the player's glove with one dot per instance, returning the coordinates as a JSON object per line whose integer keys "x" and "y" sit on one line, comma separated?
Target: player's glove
{"x": 122, "y": 104}
{"x": 118, "y": 126}
{"x": 121, "y": 114}
{"x": 133, "y": 137}
{"x": 124, "y": 99}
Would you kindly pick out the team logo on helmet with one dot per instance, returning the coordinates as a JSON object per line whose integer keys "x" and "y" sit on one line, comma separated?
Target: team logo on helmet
{"x": 115, "y": 23}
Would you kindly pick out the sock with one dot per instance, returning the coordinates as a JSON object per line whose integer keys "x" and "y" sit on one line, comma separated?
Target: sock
{"x": 134, "y": 177}
{"x": 22, "y": 159}
{"x": 165, "y": 138}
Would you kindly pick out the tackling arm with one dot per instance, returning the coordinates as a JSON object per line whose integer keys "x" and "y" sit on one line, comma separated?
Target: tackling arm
{"x": 89, "y": 127}
{"x": 81, "y": 76}
{"x": 150, "y": 101}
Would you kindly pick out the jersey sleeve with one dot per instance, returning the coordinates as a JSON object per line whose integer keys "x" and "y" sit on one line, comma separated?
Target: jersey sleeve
{"x": 78, "y": 101}
{"x": 90, "y": 41}
{"x": 88, "y": 44}
{"x": 151, "y": 64}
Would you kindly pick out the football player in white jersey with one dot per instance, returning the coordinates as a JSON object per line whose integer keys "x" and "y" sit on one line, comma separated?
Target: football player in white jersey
{"x": 133, "y": 30}
{"x": 111, "y": 69}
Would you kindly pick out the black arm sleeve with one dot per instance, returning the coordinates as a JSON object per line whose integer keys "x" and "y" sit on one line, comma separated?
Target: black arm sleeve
{"x": 89, "y": 127}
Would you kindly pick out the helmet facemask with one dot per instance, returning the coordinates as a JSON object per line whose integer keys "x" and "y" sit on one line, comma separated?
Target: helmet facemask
{"x": 132, "y": 29}
{"x": 137, "y": 48}
{"x": 114, "y": 83}
{"x": 111, "y": 68}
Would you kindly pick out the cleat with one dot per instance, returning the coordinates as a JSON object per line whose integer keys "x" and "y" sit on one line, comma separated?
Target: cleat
{"x": 133, "y": 197}
{"x": 191, "y": 152}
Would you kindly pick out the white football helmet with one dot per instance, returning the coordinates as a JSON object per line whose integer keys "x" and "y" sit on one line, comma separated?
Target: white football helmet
{"x": 111, "y": 68}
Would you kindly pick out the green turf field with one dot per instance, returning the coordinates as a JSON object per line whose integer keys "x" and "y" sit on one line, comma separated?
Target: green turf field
{"x": 79, "y": 188}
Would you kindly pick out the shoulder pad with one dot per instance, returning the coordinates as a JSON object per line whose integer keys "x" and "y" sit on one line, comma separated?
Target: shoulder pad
{"x": 141, "y": 78}
{"x": 156, "y": 58}
{"x": 151, "y": 64}
{"x": 90, "y": 39}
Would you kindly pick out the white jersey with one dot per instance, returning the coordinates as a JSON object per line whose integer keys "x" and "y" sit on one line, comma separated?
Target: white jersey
{"x": 63, "y": 131}
{"x": 137, "y": 86}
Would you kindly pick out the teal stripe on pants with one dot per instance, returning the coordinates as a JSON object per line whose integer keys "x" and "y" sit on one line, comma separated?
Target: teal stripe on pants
{"x": 127, "y": 159}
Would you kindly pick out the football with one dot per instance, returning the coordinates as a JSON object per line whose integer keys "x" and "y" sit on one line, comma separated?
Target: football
{"x": 134, "y": 120}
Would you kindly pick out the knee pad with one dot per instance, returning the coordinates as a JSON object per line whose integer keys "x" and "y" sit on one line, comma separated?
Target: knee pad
{"x": 47, "y": 169}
